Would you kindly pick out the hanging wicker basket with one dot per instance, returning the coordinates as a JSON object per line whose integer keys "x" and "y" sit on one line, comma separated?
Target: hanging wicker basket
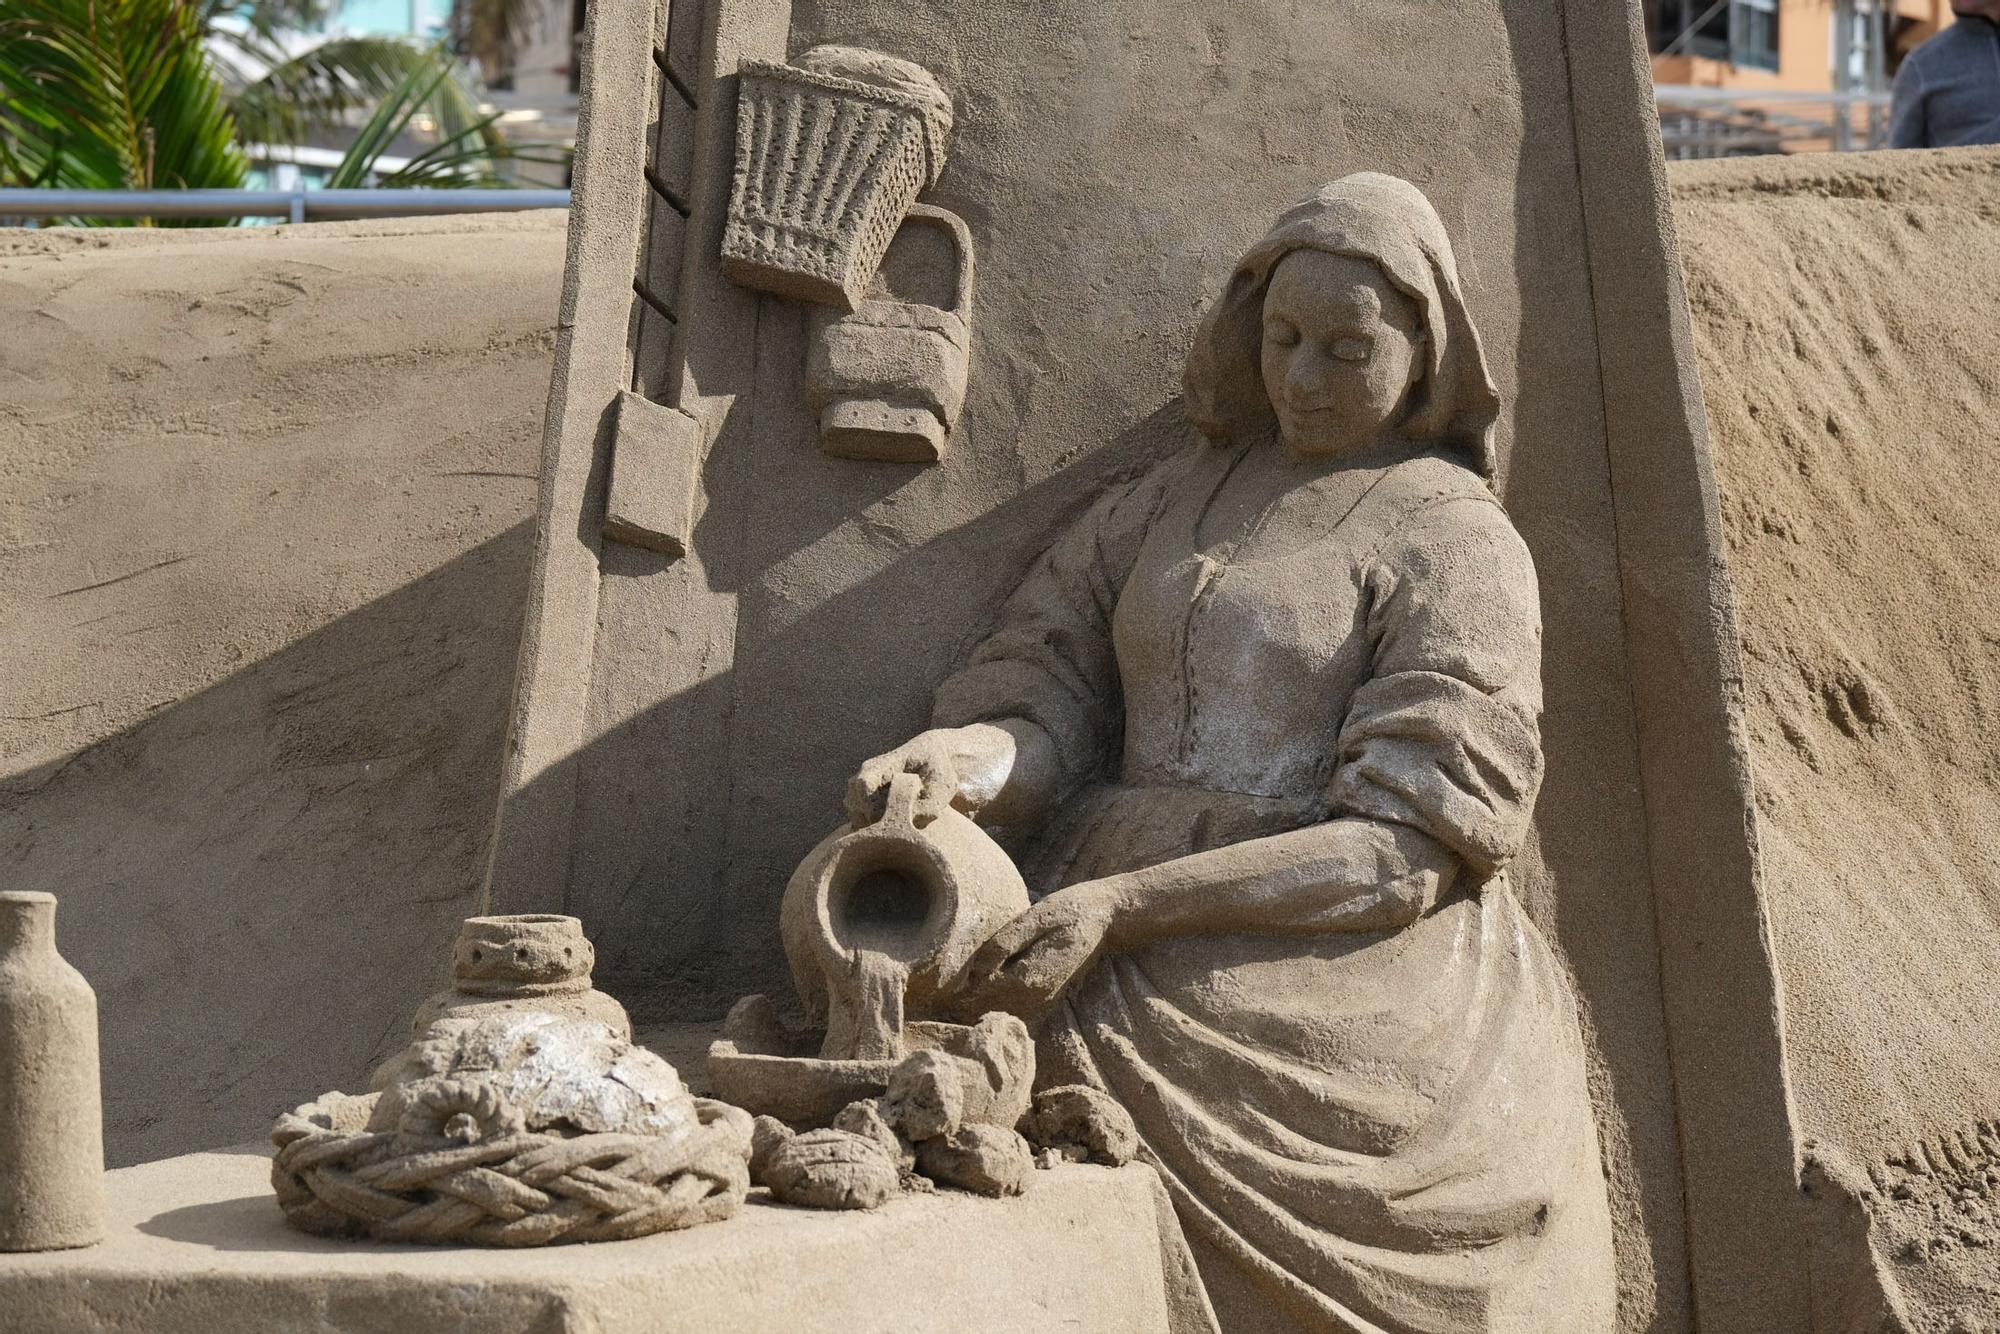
{"x": 830, "y": 154}
{"x": 475, "y": 1176}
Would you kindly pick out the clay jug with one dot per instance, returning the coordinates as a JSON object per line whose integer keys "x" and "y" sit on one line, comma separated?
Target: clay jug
{"x": 921, "y": 890}
{"x": 530, "y": 961}
{"x": 51, "y": 1119}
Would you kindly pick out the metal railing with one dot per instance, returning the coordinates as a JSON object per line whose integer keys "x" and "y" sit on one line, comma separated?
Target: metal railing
{"x": 291, "y": 205}
{"x": 1716, "y": 122}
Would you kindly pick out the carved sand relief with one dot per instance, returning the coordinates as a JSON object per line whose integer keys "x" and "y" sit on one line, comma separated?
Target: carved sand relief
{"x": 1265, "y": 728}
{"x": 520, "y": 1115}
{"x": 1115, "y": 167}
{"x": 831, "y": 154}
{"x": 529, "y": 961}
{"x": 658, "y": 446}
{"x": 880, "y": 923}
{"x": 669, "y": 173}
{"x": 887, "y": 379}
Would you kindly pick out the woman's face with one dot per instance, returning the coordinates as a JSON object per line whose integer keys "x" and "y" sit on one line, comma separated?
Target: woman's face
{"x": 1341, "y": 351}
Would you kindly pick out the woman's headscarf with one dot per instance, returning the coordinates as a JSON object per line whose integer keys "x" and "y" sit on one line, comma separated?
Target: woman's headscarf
{"x": 1365, "y": 216}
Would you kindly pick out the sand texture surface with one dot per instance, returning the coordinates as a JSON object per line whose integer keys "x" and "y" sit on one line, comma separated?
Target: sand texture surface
{"x": 1845, "y": 316}
{"x": 264, "y": 525}
{"x": 265, "y": 502}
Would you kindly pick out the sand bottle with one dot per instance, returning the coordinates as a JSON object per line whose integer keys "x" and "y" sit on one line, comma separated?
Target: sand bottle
{"x": 51, "y": 1121}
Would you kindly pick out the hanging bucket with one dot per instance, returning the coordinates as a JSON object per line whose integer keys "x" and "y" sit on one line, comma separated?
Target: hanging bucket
{"x": 830, "y": 154}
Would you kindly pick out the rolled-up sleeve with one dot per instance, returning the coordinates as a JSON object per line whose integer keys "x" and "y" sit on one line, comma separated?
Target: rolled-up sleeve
{"x": 1446, "y": 734}
{"x": 1050, "y": 658}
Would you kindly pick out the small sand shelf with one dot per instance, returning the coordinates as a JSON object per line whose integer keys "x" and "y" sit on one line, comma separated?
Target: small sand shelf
{"x": 196, "y": 1246}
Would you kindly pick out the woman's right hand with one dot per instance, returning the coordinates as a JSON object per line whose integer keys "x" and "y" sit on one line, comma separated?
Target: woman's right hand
{"x": 964, "y": 767}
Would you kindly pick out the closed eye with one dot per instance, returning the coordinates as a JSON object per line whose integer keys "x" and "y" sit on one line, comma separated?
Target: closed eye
{"x": 1281, "y": 333}
{"x": 1352, "y": 349}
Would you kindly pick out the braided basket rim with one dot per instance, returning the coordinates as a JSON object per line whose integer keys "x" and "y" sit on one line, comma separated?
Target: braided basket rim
{"x": 529, "y": 1189}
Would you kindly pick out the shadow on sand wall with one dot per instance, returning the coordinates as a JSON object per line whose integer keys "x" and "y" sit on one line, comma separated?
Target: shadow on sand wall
{"x": 263, "y": 879}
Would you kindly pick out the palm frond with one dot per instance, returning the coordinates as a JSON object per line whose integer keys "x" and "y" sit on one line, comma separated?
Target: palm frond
{"x": 112, "y": 94}
{"x": 468, "y": 161}
{"x": 325, "y": 86}
{"x": 392, "y": 115}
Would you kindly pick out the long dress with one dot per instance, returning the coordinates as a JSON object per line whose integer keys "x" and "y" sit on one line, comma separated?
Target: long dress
{"x": 1387, "y": 1131}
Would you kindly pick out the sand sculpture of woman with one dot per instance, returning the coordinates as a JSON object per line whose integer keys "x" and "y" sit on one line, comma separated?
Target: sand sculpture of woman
{"x": 1269, "y": 719}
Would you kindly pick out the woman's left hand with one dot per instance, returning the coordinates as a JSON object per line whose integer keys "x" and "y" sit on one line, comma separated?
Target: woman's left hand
{"x": 1024, "y": 968}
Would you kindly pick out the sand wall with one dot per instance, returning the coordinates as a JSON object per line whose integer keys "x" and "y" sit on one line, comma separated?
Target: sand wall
{"x": 264, "y": 526}
{"x": 1845, "y": 314}
{"x": 1844, "y": 309}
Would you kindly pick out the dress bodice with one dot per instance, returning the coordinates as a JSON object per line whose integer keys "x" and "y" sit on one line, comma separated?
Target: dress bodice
{"x": 1367, "y": 643}
{"x": 1236, "y": 662}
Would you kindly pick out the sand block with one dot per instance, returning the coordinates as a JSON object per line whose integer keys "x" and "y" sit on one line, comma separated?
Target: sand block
{"x": 196, "y": 1244}
{"x": 653, "y": 467}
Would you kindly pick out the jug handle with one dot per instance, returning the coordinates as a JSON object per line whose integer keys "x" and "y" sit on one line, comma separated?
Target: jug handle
{"x": 900, "y": 807}
{"x": 944, "y": 220}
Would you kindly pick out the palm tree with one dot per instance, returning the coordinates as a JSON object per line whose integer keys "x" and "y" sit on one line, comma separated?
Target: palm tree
{"x": 139, "y": 94}
{"x": 109, "y": 94}
{"x": 280, "y": 93}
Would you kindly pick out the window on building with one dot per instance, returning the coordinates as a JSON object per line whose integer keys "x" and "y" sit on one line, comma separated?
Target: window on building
{"x": 1753, "y": 33}
{"x": 1691, "y": 28}
{"x": 1742, "y": 32}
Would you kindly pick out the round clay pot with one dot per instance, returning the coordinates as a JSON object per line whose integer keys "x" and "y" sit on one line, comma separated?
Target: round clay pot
{"x": 532, "y": 961}
{"x": 925, "y": 889}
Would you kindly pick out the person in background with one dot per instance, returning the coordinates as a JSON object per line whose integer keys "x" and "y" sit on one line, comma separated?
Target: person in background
{"x": 1947, "y": 93}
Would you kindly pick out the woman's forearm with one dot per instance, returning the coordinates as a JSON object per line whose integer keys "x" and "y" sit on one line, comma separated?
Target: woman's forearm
{"x": 1343, "y": 875}
{"x": 1009, "y": 772}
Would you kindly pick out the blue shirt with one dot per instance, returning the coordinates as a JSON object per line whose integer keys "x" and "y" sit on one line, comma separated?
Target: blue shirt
{"x": 1947, "y": 93}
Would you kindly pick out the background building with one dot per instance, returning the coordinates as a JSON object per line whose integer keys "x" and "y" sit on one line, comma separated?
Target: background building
{"x": 1773, "y": 76}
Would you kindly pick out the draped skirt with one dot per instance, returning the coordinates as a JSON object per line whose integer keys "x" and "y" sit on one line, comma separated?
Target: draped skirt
{"x": 1370, "y": 1132}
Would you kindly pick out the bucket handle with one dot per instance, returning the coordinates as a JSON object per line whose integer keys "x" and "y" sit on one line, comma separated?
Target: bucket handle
{"x": 944, "y": 220}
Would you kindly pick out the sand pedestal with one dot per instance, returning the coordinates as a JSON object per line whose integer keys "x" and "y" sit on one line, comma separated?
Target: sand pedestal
{"x": 196, "y": 1245}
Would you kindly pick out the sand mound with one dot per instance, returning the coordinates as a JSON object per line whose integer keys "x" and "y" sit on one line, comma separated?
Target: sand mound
{"x": 1845, "y": 323}
{"x": 264, "y": 532}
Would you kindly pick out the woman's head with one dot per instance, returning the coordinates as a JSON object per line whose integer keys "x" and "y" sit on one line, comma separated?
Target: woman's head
{"x": 1342, "y": 350}
{"x": 1344, "y": 325}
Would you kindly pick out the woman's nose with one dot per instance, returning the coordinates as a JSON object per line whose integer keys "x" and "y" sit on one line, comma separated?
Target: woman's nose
{"x": 1305, "y": 377}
